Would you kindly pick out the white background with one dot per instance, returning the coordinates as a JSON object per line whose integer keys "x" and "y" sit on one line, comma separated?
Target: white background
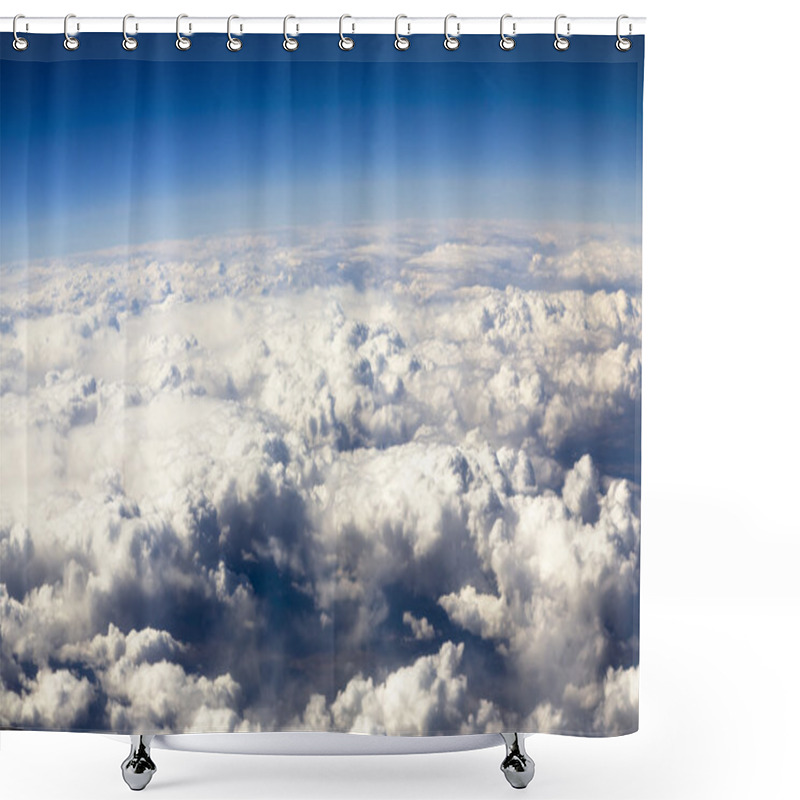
{"x": 721, "y": 536}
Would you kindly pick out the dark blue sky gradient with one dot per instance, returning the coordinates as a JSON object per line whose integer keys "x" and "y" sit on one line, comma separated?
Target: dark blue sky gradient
{"x": 102, "y": 148}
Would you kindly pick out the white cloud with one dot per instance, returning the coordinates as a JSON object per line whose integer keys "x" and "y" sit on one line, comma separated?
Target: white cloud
{"x": 427, "y": 697}
{"x": 619, "y": 712}
{"x": 566, "y": 592}
{"x": 354, "y": 422}
{"x": 52, "y": 700}
{"x": 581, "y": 487}
{"x": 421, "y": 629}
{"x": 592, "y": 263}
{"x": 162, "y": 697}
{"x": 479, "y": 613}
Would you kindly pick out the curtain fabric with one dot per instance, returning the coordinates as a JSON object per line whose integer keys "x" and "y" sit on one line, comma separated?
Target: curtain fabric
{"x": 320, "y": 385}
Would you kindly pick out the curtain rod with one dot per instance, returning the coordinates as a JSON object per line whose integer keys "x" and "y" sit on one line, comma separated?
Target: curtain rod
{"x": 299, "y": 25}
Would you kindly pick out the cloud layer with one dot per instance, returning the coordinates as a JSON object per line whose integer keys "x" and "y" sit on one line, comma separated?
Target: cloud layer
{"x": 366, "y": 479}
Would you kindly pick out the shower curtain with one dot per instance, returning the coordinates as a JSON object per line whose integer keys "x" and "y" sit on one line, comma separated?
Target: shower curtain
{"x": 320, "y": 385}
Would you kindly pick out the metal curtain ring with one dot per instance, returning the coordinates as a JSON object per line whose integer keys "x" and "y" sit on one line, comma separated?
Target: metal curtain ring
{"x": 401, "y": 42}
{"x": 70, "y": 42}
{"x": 19, "y": 42}
{"x": 622, "y": 44}
{"x": 233, "y": 44}
{"x": 288, "y": 42}
{"x": 451, "y": 42}
{"x": 182, "y": 42}
{"x": 561, "y": 43}
{"x": 507, "y": 42}
{"x": 345, "y": 42}
{"x": 128, "y": 42}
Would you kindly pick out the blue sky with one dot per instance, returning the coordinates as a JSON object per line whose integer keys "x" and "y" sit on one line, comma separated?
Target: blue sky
{"x": 105, "y": 147}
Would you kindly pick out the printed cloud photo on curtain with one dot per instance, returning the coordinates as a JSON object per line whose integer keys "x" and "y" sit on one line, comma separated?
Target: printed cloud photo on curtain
{"x": 320, "y": 386}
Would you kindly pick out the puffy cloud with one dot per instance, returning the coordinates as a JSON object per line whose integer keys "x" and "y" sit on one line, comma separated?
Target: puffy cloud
{"x": 228, "y": 461}
{"x": 609, "y": 705}
{"x": 162, "y": 697}
{"x": 593, "y": 263}
{"x": 52, "y": 700}
{"x": 145, "y": 646}
{"x": 429, "y": 696}
{"x": 479, "y": 613}
{"x": 144, "y": 690}
{"x": 16, "y": 556}
{"x": 420, "y": 628}
{"x": 567, "y": 593}
{"x": 581, "y": 486}
{"x": 619, "y": 712}
{"x": 134, "y": 683}
{"x": 423, "y": 257}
